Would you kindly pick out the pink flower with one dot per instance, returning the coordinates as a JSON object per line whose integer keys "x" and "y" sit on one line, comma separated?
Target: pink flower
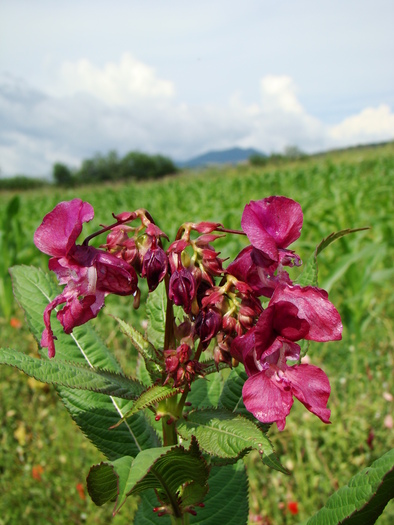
{"x": 88, "y": 273}
{"x": 293, "y": 313}
{"x": 272, "y": 224}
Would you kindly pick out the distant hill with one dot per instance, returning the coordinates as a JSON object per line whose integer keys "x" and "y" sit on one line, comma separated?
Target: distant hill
{"x": 226, "y": 156}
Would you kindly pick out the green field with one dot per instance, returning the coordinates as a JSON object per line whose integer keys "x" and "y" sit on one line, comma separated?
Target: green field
{"x": 43, "y": 456}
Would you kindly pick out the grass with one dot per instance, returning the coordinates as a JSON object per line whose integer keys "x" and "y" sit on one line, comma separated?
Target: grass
{"x": 44, "y": 458}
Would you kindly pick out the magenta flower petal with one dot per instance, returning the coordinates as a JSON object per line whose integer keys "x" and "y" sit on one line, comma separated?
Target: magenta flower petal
{"x": 313, "y": 306}
{"x": 267, "y": 399}
{"x": 310, "y": 385}
{"x": 79, "y": 311}
{"x": 287, "y": 323}
{"x": 115, "y": 275}
{"x": 243, "y": 345}
{"x": 61, "y": 227}
{"x": 47, "y": 337}
{"x": 272, "y": 223}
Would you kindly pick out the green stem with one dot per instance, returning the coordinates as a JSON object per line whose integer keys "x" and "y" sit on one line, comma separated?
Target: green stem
{"x": 170, "y": 437}
{"x": 183, "y": 520}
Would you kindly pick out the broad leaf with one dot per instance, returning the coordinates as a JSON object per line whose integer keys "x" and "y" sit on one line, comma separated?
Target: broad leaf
{"x": 94, "y": 413}
{"x": 206, "y": 392}
{"x": 226, "y": 435}
{"x": 165, "y": 469}
{"x": 226, "y": 501}
{"x": 73, "y": 375}
{"x": 309, "y": 276}
{"x": 363, "y": 500}
{"x": 150, "y": 397}
{"x": 231, "y": 396}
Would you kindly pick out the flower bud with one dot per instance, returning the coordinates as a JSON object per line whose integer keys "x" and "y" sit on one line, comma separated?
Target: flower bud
{"x": 208, "y": 323}
{"x": 154, "y": 266}
{"x": 182, "y": 289}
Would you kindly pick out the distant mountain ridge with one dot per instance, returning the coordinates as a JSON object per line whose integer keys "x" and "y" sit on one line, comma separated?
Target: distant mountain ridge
{"x": 226, "y": 156}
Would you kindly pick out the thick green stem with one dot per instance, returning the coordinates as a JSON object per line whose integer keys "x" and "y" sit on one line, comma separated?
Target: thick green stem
{"x": 170, "y": 437}
{"x": 182, "y": 520}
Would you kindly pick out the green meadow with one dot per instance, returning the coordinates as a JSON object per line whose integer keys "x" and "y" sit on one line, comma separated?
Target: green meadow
{"x": 44, "y": 458}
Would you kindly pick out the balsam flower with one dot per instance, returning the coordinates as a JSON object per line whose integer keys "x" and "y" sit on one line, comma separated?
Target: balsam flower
{"x": 293, "y": 313}
{"x": 271, "y": 225}
{"x": 88, "y": 273}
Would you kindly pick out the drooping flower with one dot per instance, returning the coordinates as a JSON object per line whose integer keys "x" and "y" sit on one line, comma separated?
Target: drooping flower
{"x": 293, "y": 313}
{"x": 88, "y": 273}
{"x": 271, "y": 225}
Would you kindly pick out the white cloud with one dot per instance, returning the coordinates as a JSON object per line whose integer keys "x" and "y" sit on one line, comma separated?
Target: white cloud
{"x": 279, "y": 94}
{"x": 372, "y": 124}
{"x": 97, "y": 115}
{"x": 117, "y": 84}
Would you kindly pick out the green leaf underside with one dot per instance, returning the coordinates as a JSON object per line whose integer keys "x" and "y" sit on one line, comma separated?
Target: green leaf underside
{"x": 165, "y": 469}
{"x": 93, "y": 412}
{"x": 363, "y": 499}
{"x": 226, "y": 435}
{"x": 73, "y": 375}
{"x": 144, "y": 347}
{"x": 156, "y": 306}
{"x": 309, "y": 277}
{"x": 226, "y": 501}
{"x": 148, "y": 398}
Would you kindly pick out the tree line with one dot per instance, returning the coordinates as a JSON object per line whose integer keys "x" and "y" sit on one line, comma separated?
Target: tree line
{"x": 100, "y": 168}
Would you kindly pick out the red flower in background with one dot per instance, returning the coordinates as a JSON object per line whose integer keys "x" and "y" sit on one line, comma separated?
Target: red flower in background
{"x": 293, "y": 507}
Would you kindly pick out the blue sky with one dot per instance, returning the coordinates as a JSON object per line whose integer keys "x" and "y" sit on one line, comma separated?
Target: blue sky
{"x": 181, "y": 78}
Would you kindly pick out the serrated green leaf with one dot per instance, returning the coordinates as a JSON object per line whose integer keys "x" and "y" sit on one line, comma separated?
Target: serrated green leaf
{"x": 156, "y": 306}
{"x": 151, "y": 357}
{"x": 93, "y": 413}
{"x": 206, "y": 392}
{"x": 73, "y": 375}
{"x": 363, "y": 500}
{"x": 142, "y": 373}
{"x": 226, "y": 501}
{"x": 150, "y": 397}
{"x": 309, "y": 277}
{"x": 231, "y": 396}
{"x": 165, "y": 469}
{"x": 226, "y": 435}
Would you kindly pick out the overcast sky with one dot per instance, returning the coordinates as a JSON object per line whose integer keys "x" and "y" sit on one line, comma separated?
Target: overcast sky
{"x": 180, "y": 78}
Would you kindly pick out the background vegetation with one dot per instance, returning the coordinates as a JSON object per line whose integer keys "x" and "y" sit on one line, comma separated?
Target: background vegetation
{"x": 44, "y": 458}
{"x": 101, "y": 168}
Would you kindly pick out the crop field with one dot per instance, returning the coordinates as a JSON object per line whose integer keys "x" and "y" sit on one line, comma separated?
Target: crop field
{"x": 44, "y": 458}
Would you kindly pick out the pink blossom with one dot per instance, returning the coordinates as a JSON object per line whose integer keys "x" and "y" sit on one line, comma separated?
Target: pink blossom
{"x": 272, "y": 224}
{"x": 88, "y": 273}
{"x": 293, "y": 313}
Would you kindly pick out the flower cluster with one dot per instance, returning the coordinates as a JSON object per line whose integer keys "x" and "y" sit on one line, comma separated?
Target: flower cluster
{"x": 250, "y": 312}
